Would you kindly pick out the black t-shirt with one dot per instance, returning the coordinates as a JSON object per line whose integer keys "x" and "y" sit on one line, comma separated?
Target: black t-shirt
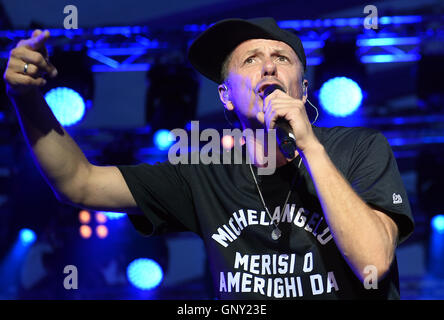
{"x": 220, "y": 203}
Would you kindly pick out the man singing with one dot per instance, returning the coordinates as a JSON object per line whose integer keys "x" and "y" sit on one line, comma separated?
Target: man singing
{"x": 324, "y": 225}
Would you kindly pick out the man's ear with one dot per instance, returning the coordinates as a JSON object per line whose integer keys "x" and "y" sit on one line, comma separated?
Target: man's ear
{"x": 304, "y": 90}
{"x": 224, "y": 96}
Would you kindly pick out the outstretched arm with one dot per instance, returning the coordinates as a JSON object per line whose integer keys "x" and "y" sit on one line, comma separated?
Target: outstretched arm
{"x": 71, "y": 176}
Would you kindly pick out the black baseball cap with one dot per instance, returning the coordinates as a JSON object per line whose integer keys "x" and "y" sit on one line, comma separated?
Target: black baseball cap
{"x": 209, "y": 50}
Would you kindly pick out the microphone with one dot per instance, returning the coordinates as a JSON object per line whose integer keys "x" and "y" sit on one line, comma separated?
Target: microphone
{"x": 284, "y": 133}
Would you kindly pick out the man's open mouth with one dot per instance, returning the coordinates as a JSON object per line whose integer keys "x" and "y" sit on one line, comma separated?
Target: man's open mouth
{"x": 261, "y": 90}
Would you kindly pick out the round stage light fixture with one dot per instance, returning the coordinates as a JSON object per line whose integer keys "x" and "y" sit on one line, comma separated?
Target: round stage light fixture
{"x": 67, "y": 105}
{"x": 144, "y": 274}
{"x": 340, "y": 96}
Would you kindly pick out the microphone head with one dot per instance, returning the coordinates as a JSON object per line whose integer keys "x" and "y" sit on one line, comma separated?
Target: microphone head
{"x": 268, "y": 90}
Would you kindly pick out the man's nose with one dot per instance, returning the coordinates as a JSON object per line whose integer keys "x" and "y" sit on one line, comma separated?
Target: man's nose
{"x": 269, "y": 68}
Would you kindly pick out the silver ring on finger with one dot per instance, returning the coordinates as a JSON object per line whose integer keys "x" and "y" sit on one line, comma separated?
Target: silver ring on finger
{"x": 25, "y": 68}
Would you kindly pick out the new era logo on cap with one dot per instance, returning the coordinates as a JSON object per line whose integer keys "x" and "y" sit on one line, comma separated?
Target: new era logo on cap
{"x": 397, "y": 199}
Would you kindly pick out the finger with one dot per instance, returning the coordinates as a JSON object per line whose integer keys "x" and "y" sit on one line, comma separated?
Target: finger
{"x": 284, "y": 101}
{"x": 43, "y": 49}
{"x": 296, "y": 117}
{"x": 260, "y": 116}
{"x": 285, "y": 111}
{"x": 37, "y": 59}
{"x": 274, "y": 102}
{"x": 38, "y": 42}
{"x": 18, "y": 66}
{"x": 271, "y": 119}
{"x": 277, "y": 94}
{"x": 36, "y": 32}
{"x": 271, "y": 97}
{"x": 24, "y": 80}
{"x": 31, "y": 70}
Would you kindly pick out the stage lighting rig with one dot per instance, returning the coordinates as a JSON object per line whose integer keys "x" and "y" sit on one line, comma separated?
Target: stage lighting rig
{"x": 340, "y": 78}
{"x": 71, "y": 93}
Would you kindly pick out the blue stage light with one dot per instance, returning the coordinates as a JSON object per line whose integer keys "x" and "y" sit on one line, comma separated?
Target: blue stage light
{"x": 436, "y": 247}
{"x": 113, "y": 215}
{"x": 163, "y": 139}
{"x": 27, "y": 236}
{"x": 144, "y": 274}
{"x": 388, "y": 41}
{"x": 340, "y": 96}
{"x": 438, "y": 223}
{"x": 67, "y": 105}
{"x": 385, "y": 58}
{"x": 399, "y": 20}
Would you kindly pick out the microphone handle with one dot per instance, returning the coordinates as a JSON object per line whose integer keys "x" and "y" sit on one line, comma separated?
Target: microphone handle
{"x": 284, "y": 133}
{"x": 285, "y": 138}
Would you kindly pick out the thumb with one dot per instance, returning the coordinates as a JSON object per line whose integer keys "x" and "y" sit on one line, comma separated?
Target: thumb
{"x": 260, "y": 116}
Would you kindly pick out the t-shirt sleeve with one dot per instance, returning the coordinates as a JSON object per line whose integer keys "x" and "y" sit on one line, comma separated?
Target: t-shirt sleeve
{"x": 163, "y": 195}
{"x": 375, "y": 176}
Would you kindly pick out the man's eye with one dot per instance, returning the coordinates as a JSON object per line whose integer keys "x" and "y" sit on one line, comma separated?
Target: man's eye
{"x": 283, "y": 58}
{"x": 249, "y": 60}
